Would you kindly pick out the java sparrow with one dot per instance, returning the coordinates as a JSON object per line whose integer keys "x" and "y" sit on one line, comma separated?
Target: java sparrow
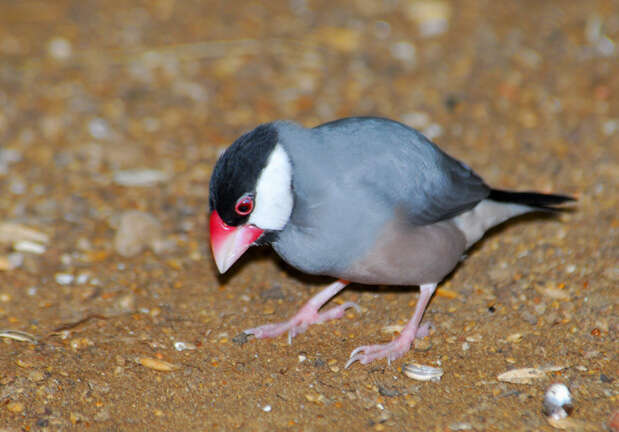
{"x": 366, "y": 200}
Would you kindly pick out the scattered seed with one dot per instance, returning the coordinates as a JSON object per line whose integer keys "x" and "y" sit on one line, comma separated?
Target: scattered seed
{"x": 421, "y": 372}
{"x": 522, "y": 375}
{"x": 447, "y": 293}
{"x": 555, "y": 293}
{"x": 552, "y": 368}
{"x": 156, "y": 364}
{"x": 22, "y": 364}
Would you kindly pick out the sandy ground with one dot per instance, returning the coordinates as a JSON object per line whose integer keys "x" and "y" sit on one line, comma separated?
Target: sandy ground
{"x": 113, "y": 106}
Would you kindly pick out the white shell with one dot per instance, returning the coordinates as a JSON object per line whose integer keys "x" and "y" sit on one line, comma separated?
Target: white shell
{"x": 421, "y": 372}
{"x": 556, "y": 400}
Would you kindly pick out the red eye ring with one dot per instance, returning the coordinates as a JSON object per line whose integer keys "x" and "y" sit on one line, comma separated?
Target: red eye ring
{"x": 244, "y": 205}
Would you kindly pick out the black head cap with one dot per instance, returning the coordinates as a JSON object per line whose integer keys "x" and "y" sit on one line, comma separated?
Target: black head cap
{"x": 237, "y": 170}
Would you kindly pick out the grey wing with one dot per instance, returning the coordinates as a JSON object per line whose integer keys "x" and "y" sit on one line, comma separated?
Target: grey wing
{"x": 456, "y": 189}
{"x": 416, "y": 177}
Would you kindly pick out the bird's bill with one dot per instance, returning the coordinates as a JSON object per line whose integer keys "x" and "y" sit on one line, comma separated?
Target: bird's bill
{"x": 228, "y": 243}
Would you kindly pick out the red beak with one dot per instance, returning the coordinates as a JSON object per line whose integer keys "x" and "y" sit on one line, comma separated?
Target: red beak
{"x": 228, "y": 243}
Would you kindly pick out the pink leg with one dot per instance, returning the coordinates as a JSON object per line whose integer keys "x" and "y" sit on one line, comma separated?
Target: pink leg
{"x": 402, "y": 344}
{"x": 307, "y": 315}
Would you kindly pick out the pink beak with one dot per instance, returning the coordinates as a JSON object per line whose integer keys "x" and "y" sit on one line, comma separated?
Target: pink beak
{"x": 228, "y": 243}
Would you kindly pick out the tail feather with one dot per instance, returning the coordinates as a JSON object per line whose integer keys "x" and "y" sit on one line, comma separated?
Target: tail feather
{"x": 533, "y": 199}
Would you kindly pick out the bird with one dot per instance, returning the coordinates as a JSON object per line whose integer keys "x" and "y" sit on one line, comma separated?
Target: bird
{"x": 365, "y": 200}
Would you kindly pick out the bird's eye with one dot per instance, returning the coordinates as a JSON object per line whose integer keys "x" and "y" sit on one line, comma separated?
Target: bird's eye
{"x": 244, "y": 205}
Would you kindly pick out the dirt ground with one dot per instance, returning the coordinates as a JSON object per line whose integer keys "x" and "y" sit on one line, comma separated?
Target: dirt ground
{"x": 113, "y": 106}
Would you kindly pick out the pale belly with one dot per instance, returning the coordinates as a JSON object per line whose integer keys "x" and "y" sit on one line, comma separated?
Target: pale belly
{"x": 409, "y": 255}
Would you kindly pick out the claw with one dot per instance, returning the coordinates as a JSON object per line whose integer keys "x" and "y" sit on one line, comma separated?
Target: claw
{"x": 349, "y": 362}
{"x": 391, "y": 351}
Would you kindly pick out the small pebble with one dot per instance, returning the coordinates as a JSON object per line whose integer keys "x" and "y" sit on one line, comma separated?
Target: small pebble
{"x": 462, "y": 426}
{"x": 59, "y": 48}
{"x": 433, "y": 131}
{"x": 63, "y": 278}
{"x": 13, "y": 233}
{"x": 103, "y": 415}
{"x": 182, "y": 346}
{"x": 98, "y": 128}
{"x": 15, "y": 407}
{"x": 82, "y": 278}
{"x": 273, "y": 293}
{"x": 404, "y": 51}
{"x": 474, "y": 338}
{"x": 36, "y": 376}
{"x": 514, "y": 338}
{"x": 240, "y": 339}
{"x": 417, "y": 120}
{"x": 613, "y": 423}
{"x": 432, "y": 16}
{"x": 140, "y": 178}
{"x": 137, "y": 230}
{"x": 29, "y": 247}
{"x": 266, "y": 408}
{"x": 606, "y": 379}
{"x": 11, "y": 261}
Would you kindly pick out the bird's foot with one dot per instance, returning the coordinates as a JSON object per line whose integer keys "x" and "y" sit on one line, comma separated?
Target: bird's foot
{"x": 306, "y": 316}
{"x": 391, "y": 351}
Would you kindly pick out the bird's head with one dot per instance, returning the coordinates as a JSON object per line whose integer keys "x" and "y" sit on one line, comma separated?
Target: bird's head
{"x": 250, "y": 194}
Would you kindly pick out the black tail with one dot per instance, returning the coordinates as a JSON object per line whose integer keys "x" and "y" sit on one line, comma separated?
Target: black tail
{"x": 533, "y": 199}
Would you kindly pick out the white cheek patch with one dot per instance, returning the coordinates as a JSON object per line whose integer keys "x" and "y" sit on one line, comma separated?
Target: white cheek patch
{"x": 274, "y": 200}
